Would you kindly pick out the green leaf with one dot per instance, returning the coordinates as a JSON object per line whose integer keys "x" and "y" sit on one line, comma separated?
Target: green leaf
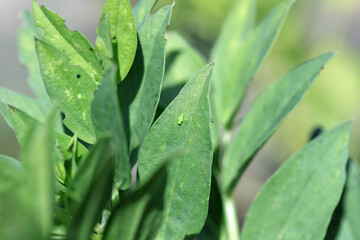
{"x": 69, "y": 86}
{"x": 23, "y": 124}
{"x": 39, "y": 167}
{"x": 182, "y": 62}
{"x": 10, "y": 169}
{"x": 138, "y": 217}
{"x": 214, "y": 228}
{"x": 100, "y": 154}
{"x": 265, "y": 115}
{"x": 122, "y": 32}
{"x": 27, "y": 54}
{"x": 142, "y": 10}
{"x": 91, "y": 190}
{"x": 16, "y": 207}
{"x": 348, "y": 229}
{"x": 236, "y": 27}
{"x": 35, "y": 108}
{"x": 298, "y": 200}
{"x": 74, "y": 45}
{"x": 189, "y": 175}
{"x": 103, "y": 45}
{"x": 108, "y": 121}
{"x": 239, "y": 59}
{"x": 139, "y": 93}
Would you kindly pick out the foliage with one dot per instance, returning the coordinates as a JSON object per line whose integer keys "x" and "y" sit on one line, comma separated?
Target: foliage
{"x": 105, "y": 110}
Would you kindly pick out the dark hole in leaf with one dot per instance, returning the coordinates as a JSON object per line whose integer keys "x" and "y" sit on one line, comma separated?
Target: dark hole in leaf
{"x": 114, "y": 37}
{"x": 78, "y": 76}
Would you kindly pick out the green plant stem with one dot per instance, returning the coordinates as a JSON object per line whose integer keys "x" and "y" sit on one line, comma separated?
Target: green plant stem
{"x": 231, "y": 222}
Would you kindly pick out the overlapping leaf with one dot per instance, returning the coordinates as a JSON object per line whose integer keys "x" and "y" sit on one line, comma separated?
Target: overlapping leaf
{"x": 239, "y": 57}
{"x": 265, "y": 115}
{"x": 139, "y": 93}
{"x": 298, "y": 200}
{"x": 27, "y": 54}
{"x": 350, "y": 205}
{"x": 142, "y": 10}
{"x": 35, "y": 108}
{"x": 39, "y": 167}
{"x": 119, "y": 23}
{"x": 108, "y": 120}
{"x": 184, "y": 123}
{"x": 138, "y": 217}
{"x": 182, "y": 63}
{"x": 74, "y": 45}
{"x": 90, "y": 191}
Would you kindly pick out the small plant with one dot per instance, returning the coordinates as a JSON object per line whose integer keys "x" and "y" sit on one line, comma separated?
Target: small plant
{"x": 105, "y": 110}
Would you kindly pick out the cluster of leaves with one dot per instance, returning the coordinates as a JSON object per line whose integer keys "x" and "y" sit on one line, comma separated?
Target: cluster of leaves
{"x": 105, "y": 110}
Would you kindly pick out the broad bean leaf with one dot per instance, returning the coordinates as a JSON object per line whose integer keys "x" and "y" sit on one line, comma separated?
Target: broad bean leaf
{"x": 10, "y": 169}
{"x": 33, "y": 107}
{"x": 104, "y": 44}
{"x": 182, "y": 63}
{"x": 138, "y": 217}
{"x": 69, "y": 86}
{"x": 91, "y": 190}
{"x": 74, "y": 45}
{"x": 107, "y": 119}
{"x": 184, "y": 123}
{"x": 100, "y": 155}
{"x": 298, "y": 200}
{"x": 215, "y": 226}
{"x": 122, "y": 33}
{"x": 265, "y": 115}
{"x": 27, "y": 54}
{"x": 139, "y": 93}
{"x": 23, "y": 124}
{"x": 240, "y": 58}
{"x": 349, "y": 223}
{"x": 15, "y": 208}
{"x": 142, "y": 10}
{"x": 39, "y": 167}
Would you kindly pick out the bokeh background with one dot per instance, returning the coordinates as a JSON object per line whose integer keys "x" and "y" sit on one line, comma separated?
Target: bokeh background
{"x": 312, "y": 28}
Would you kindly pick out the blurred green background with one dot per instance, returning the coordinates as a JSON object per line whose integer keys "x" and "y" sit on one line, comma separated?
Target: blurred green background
{"x": 312, "y": 28}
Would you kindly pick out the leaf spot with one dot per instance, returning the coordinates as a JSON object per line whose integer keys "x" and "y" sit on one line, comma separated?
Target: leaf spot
{"x": 78, "y": 76}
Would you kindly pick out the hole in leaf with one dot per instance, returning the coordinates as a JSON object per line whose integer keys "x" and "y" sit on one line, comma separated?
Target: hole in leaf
{"x": 78, "y": 76}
